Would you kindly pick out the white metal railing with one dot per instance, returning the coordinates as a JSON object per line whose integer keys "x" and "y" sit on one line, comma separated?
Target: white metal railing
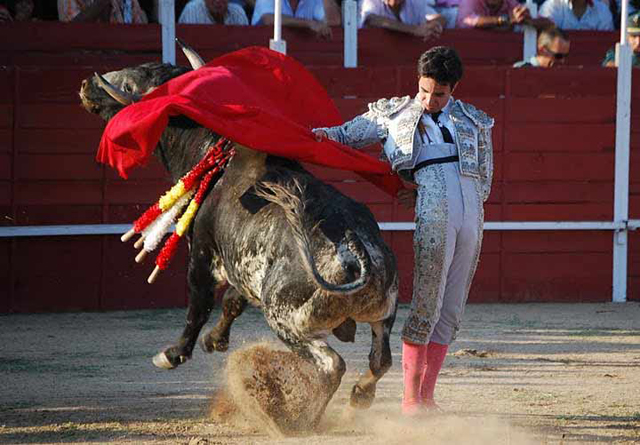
{"x": 350, "y": 26}
{"x": 119, "y": 229}
{"x": 167, "y": 19}
{"x": 621, "y": 177}
{"x": 530, "y": 38}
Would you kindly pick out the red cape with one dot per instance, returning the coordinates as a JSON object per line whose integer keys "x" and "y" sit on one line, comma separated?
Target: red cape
{"x": 256, "y": 97}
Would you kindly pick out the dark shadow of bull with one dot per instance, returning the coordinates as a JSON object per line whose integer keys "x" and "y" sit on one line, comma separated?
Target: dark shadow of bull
{"x": 255, "y": 232}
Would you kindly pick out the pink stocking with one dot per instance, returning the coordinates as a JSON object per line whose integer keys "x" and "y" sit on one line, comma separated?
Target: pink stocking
{"x": 436, "y": 354}
{"x": 413, "y": 362}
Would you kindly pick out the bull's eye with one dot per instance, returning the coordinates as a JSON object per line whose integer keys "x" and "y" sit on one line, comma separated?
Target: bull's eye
{"x": 127, "y": 88}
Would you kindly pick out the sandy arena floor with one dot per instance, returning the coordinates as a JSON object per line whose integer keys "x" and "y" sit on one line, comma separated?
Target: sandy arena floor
{"x": 518, "y": 374}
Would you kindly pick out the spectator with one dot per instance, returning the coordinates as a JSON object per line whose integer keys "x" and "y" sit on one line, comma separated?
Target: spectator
{"x": 415, "y": 17}
{"x": 212, "y": 12}
{"x": 553, "y": 48}
{"x": 315, "y": 15}
{"x": 17, "y": 10}
{"x": 110, "y": 11}
{"x": 633, "y": 35}
{"x": 500, "y": 15}
{"x": 578, "y": 14}
{"x": 449, "y": 10}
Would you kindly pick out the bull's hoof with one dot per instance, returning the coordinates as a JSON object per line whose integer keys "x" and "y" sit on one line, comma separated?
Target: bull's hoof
{"x": 209, "y": 345}
{"x": 162, "y": 360}
{"x": 279, "y": 390}
{"x": 362, "y": 399}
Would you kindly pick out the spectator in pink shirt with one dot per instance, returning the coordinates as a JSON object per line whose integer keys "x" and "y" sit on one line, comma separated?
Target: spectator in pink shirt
{"x": 496, "y": 14}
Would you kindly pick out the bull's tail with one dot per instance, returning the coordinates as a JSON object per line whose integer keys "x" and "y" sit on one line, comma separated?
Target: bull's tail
{"x": 289, "y": 198}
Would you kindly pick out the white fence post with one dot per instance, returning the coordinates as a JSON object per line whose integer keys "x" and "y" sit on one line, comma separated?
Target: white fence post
{"x": 167, "y": 18}
{"x": 530, "y": 46}
{"x": 350, "y": 24}
{"x": 621, "y": 190}
{"x": 277, "y": 44}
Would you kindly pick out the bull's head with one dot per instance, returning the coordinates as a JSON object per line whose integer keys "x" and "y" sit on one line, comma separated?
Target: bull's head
{"x": 107, "y": 94}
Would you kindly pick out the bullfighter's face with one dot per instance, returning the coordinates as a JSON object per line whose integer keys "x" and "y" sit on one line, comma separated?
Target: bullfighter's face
{"x": 432, "y": 95}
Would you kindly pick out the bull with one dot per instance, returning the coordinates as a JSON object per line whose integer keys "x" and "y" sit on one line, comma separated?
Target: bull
{"x": 338, "y": 271}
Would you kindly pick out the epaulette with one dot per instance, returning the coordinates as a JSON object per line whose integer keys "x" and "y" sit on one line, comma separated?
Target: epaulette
{"x": 479, "y": 117}
{"x": 387, "y": 107}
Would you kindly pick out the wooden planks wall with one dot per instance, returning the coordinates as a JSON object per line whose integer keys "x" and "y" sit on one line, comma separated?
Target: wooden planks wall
{"x": 553, "y": 144}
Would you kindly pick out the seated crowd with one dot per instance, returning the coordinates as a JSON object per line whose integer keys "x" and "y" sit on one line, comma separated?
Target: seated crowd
{"x": 425, "y": 19}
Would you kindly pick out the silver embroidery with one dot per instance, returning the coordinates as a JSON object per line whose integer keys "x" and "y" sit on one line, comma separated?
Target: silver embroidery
{"x": 387, "y": 107}
{"x": 429, "y": 243}
{"x": 363, "y": 130}
{"x": 485, "y": 161}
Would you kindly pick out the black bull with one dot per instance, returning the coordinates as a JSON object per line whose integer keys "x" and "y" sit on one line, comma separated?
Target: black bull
{"x": 278, "y": 236}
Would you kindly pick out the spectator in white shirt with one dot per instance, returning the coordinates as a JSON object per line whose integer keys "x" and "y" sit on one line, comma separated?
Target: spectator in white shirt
{"x": 578, "y": 14}
{"x": 314, "y": 15}
{"x": 211, "y": 12}
{"x": 415, "y": 17}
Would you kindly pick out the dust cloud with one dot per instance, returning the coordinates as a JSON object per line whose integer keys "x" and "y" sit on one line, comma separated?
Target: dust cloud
{"x": 274, "y": 392}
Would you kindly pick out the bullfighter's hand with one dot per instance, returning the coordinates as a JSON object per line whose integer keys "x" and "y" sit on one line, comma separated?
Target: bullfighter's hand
{"x": 407, "y": 197}
{"x": 320, "y": 135}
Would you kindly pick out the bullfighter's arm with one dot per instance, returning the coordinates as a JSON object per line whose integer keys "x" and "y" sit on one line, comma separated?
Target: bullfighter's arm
{"x": 363, "y": 130}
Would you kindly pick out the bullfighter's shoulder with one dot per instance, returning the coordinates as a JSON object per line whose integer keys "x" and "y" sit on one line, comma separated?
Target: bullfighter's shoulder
{"x": 387, "y": 107}
{"x": 479, "y": 117}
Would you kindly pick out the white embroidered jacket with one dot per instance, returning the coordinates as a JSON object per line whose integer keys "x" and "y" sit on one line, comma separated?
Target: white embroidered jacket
{"x": 394, "y": 122}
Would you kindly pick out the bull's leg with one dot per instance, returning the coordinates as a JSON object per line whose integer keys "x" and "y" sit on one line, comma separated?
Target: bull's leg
{"x": 364, "y": 391}
{"x": 325, "y": 359}
{"x": 217, "y": 339}
{"x": 201, "y": 300}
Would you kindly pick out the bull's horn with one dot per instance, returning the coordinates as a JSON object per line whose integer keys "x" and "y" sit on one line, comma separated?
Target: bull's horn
{"x": 194, "y": 59}
{"x": 121, "y": 96}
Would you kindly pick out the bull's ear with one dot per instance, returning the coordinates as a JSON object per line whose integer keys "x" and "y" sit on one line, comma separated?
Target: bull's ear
{"x": 193, "y": 57}
{"x": 121, "y": 96}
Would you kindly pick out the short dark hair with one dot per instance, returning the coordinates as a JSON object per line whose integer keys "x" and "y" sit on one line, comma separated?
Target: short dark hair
{"x": 441, "y": 64}
{"x": 549, "y": 34}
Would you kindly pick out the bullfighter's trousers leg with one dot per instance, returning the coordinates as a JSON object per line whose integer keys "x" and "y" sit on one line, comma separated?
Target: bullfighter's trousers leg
{"x": 447, "y": 240}
{"x": 434, "y": 247}
{"x": 463, "y": 264}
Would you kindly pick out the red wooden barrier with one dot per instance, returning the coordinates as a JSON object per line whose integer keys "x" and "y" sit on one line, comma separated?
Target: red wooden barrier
{"x": 553, "y": 144}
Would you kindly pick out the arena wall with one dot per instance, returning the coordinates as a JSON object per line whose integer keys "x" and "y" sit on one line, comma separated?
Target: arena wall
{"x": 553, "y": 142}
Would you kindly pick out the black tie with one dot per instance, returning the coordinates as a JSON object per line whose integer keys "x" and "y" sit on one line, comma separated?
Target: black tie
{"x": 446, "y": 135}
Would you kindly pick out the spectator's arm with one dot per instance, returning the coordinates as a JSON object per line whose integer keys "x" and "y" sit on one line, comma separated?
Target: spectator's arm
{"x": 438, "y": 18}
{"x": 610, "y": 58}
{"x": 94, "y": 11}
{"x": 332, "y": 13}
{"x": 319, "y": 28}
{"x": 487, "y": 21}
{"x": 429, "y": 29}
{"x": 540, "y": 23}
